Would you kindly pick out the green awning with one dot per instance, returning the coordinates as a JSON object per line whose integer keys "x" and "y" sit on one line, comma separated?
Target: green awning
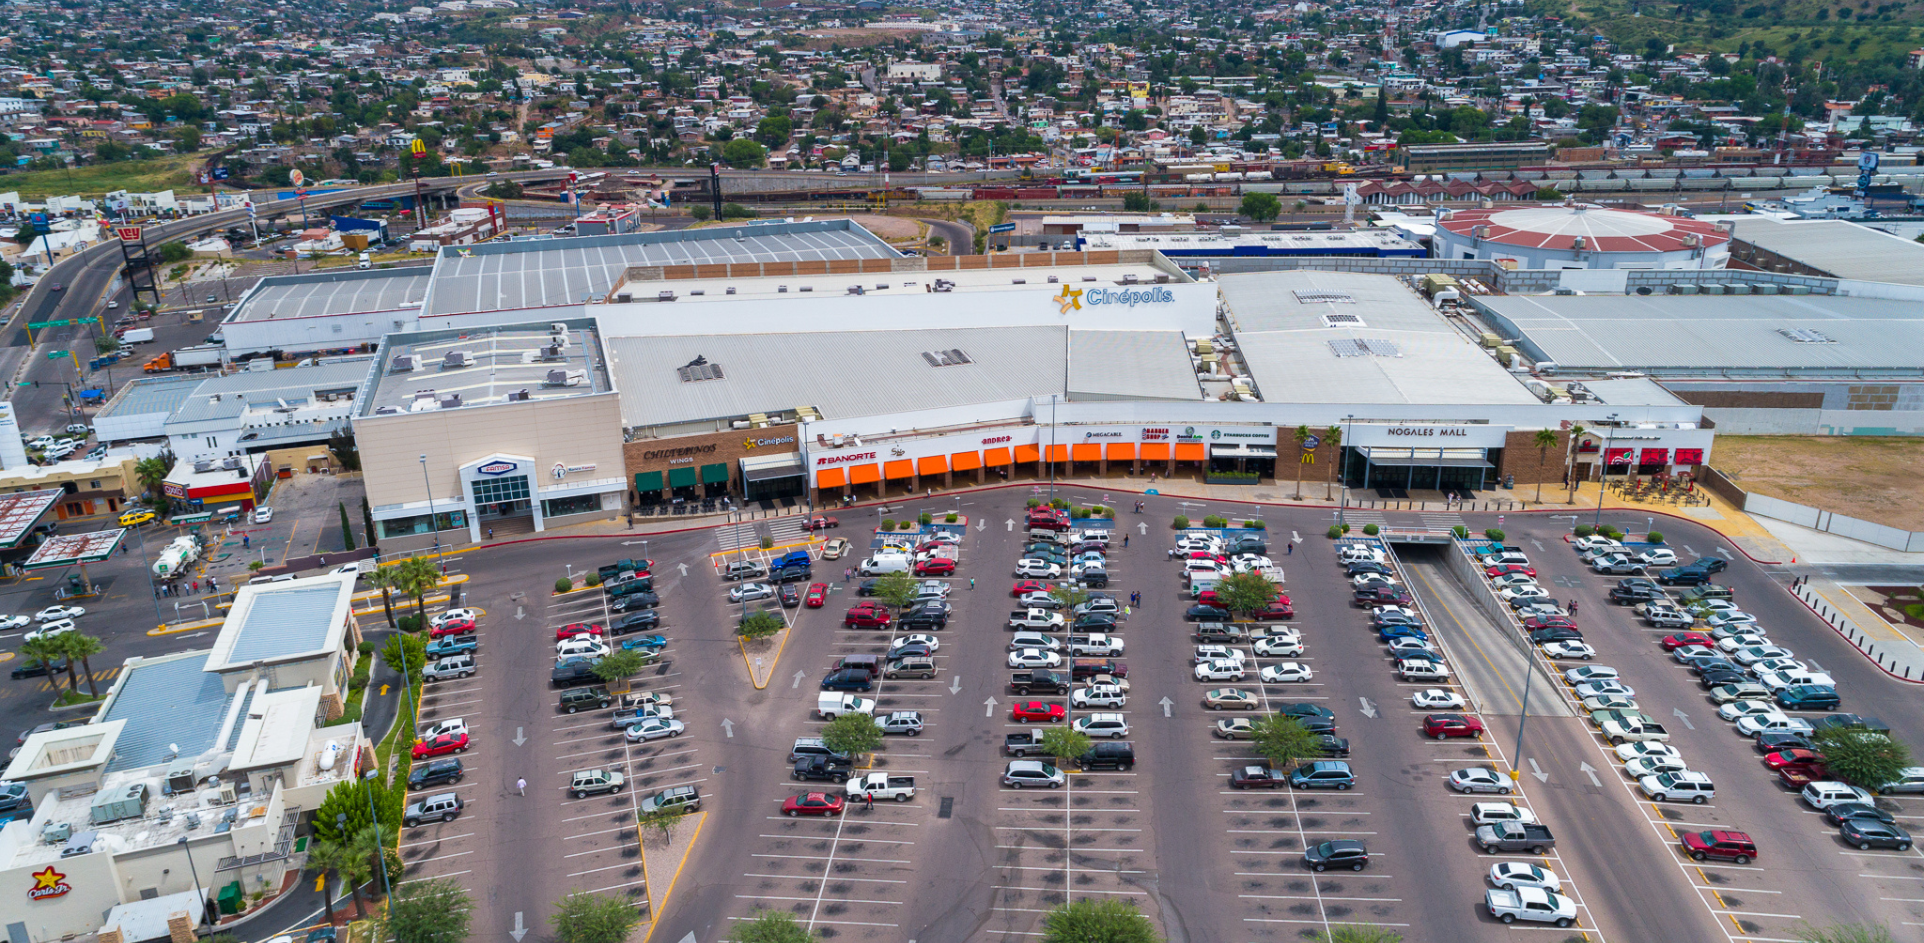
{"x": 648, "y": 481}
{"x": 716, "y": 474}
{"x": 681, "y": 477}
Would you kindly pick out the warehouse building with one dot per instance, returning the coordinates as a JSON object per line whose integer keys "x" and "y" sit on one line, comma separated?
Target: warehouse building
{"x": 1825, "y": 248}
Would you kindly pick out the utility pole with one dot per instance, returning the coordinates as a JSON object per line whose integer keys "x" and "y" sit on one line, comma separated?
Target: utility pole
{"x": 715, "y": 187}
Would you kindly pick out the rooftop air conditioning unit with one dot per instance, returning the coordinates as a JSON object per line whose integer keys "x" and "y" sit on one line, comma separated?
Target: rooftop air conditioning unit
{"x": 624, "y": 298}
{"x": 565, "y": 377}
{"x": 387, "y": 410}
{"x": 405, "y": 363}
{"x": 1579, "y": 243}
{"x": 1129, "y": 279}
{"x": 457, "y": 359}
{"x": 1053, "y": 279}
{"x": 557, "y": 327}
{"x": 808, "y": 288}
{"x": 518, "y": 396}
{"x": 855, "y": 289}
{"x": 665, "y": 296}
{"x": 551, "y": 352}
{"x": 451, "y": 401}
{"x": 203, "y": 466}
{"x": 230, "y": 462}
{"x": 1480, "y": 232}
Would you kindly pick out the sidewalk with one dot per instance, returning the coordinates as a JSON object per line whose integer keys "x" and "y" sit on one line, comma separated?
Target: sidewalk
{"x": 1894, "y": 651}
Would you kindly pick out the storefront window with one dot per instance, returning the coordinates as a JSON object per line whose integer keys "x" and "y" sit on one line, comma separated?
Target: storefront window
{"x": 418, "y": 524}
{"x": 577, "y": 504}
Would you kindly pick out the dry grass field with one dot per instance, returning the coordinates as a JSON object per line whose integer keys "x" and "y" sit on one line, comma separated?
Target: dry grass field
{"x": 1877, "y": 479}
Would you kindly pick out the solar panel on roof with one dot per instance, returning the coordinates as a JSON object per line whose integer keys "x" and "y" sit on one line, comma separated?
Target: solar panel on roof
{"x": 1347, "y": 348}
{"x": 1322, "y": 297}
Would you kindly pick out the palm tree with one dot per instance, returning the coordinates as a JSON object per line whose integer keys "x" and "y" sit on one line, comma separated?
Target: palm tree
{"x": 1570, "y": 463}
{"x": 1332, "y": 437}
{"x": 80, "y": 648}
{"x": 1544, "y": 440}
{"x": 376, "y": 857}
{"x": 1302, "y": 436}
{"x": 335, "y": 860}
{"x": 153, "y": 471}
{"x": 382, "y": 578}
{"x": 44, "y": 651}
{"x": 416, "y": 577}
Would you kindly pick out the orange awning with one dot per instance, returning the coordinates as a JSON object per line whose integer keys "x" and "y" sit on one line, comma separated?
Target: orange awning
{"x": 1027, "y": 453}
{"x": 899, "y": 468}
{"x": 831, "y": 478}
{"x": 1155, "y": 451}
{"x": 994, "y": 457}
{"x": 1120, "y": 451}
{"x": 1086, "y": 452}
{"x": 1190, "y": 452}
{"x": 933, "y": 465}
{"x": 864, "y": 474}
{"x": 1058, "y": 453}
{"x": 966, "y": 461}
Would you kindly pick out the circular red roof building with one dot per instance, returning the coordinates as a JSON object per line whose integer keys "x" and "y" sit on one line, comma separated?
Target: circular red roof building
{"x": 1579, "y": 235}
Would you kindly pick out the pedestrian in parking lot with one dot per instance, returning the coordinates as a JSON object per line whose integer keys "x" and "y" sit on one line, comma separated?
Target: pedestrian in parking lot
{"x": 521, "y": 786}
{"x": 1289, "y": 549}
{"x": 1125, "y": 540}
{"x": 971, "y": 582}
{"x": 197, "y": 586}
{"x": 1573, "y": 607}
{"x": 490, "y": 533}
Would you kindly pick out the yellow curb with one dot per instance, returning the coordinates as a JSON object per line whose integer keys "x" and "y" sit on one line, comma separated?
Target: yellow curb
{"x": 779, "y": 647}
{"x": 203, "y": 624}
{"x": 6, "y": 656}
{"x": 571, "y": 592}
{"x": 747, "y": 550}
{"x": 654, "y": 910}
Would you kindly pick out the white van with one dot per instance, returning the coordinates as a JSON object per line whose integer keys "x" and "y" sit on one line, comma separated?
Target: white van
{"x": 831, "y": 704}
{"x": 886, "y": 563}
{"x": 366, "y": 261}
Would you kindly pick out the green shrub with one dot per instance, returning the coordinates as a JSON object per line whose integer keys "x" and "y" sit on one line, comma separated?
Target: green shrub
{"x": 1584, "y": 530}
{"x": 949, "y": 517}
{"x": 1060, "y": 504}
{"x": 1214, "y": 520}
{"x": 366, "y": 647}
{"x": 1080, "y": 514}
{"x": 1335, "y": 531}
{"x": 768, "y": 543}
{"x": 1460, "y": 531}
{"x": 561, "y": 585}
{"x": 888, "y": 523}
{"x": 1612, "y": 533}
{"x": 1345, "y": 528}
{"x": 1654, "y": 537}
{"x": 1494, "y": 534}
{"x": 1370, "y": 529}
{"x": 926, "y": 518}
{"x": 592, "y": 579}
{"x": 1035, "y": 502}
{"x": 408, "y": 623}
{"x": 1181, "y": 522}
{"x": 1255, "y": 525}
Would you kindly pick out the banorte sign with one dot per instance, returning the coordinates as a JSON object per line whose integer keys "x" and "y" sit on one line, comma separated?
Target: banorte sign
{"x": 844, "y": 459}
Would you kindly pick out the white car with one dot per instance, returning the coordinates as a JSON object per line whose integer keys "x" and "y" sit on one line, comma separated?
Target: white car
{"x": 1035, "y": 566}
{"x": 1038, "y": 600}
{"x": 1410, "y": 644}
{"x": 1437, "y": 699}
{"x": 1113, "y": 726}
{"x": 1479, "y": 779}
{"x": 1486, "y": 813}
{"x": 1249, "y": 562}
{"x": 1098, "y": 695}
{"x": 453, "y": 725}
{"x": 454, "y": 615}
{"x": 58, "y": 612}
{"x": 14, "y": 622}
{"x": 1224, "y": 670}
{"x": 1569, "y": 649}
{"x": 1191, "y": 543}
{"x": 1363, "y": 578}
{"x": 1590, "y": 673}
{"x": 1508, "y": 580}
{"x": 653, "y": 728}
{"x": 1022, "y": 640}
{"x": 1361, "y": 553}
{"x": 1034, "y": 658}
{"x": 1207, "y": 653}
{"x": 1531, "y": 591}
{"x": 918, "y": 638}
{"x": 1772, "y": 722}
{"x": 1586, "y": 544}
{"x": 581, "y": 645}
{"x": 1630, "y": 751}
{"x": 1658, "y": 556}
{"x": 50, "y": 629}
{"x": 1602, "y": 688}
{"x": 1095, "y": 643}
{"x": 1284, "y": 672}
{"x": 1731, "y": 644}
{"x": 1718, "y": 620}
{"x": 1777, "y": 664}
{"x": 1707, "y": 606}
{"x": 750, "y": 591}
{"x": 1515, "y": 874}
{"x": 1278, "y": 646}
{"x": 1652, "y": 765}
{"x": 1757, "y": 653}
{"x": 358, "y": 568}
{"x": 263, "y": 514}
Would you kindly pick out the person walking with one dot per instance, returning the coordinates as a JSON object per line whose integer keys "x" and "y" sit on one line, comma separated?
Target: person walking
{"x": 1125, "y": 540}
{"x": 868, "y": 802}
{"x": 1573, "y": 607}
{"x": 1289, "y": 548}
{"x": 521, "y": 786}
{"x": 971, "y": 582}
{"x": 490, "y": 533}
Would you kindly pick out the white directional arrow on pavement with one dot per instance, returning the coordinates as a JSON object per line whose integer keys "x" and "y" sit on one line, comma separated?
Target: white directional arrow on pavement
{"x": 1538, "y": 772}
{"x": 799, "y": 675}
{"x": 520, "y": 929}
{"x": 990, "y": 708}
{"x": 518, "y": 738}
{"x": 1591, "y": 772}
{"x": 1369, "y": 707}
{"x": 684, "y": 568}
{"x": 955, "y": 684}
{"x": 981, "y": 523}
{"x": 1011, "y": 523}
{"x": 1166, "y": 705}
{"x": 630, "y": 543}
{"x": 1680, "y": 715}
{"x": 1143, "y": 529}
{"x": 690, "y": 938}
{"x": 728, "y": 727}
{"x": 517, "y": 615}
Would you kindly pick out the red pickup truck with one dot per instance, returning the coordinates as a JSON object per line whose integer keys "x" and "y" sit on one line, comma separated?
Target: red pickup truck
{"x": 1799, "y": 775}
{"x": 867, "y": 615}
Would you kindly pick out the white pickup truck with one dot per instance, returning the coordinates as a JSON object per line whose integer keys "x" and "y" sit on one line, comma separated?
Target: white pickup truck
{"x": 1531, "y": 903}
{"x": 882, "y": 786}
{"x": 1619, "y": 732}
{"x": 1034, "y": 619}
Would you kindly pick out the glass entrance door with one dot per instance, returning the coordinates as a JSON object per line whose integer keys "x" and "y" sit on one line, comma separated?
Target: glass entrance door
{"x": 506, "y": 496}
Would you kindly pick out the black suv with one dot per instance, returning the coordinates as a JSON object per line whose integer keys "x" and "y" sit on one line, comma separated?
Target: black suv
{"x": 434, "y": 773}
{"x": 1082, "y": 669}
{"x": 35, "y": 668}
{"x": 1109, "y": 755}
{"x": 590, "y": 698}
{"x": 790, "y": 574}
{"x": 1202, "y": 613}
{"x": 927, "y": 616}
{"x": 823, "y": 768}
{"x": 1628, "y": 595}
{"x": 636, "y": 622}
{"x": 1683, "y": 576}
{"x": 574, "y": 671}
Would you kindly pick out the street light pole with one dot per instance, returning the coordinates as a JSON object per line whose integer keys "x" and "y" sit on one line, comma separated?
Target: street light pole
{"x": 1342, "y": 471}
{"x": 200, "y": 893}
{"x": 1603, "y": 477}
{"x": 433, "y": 524}
{"x": 1052, "y": 449}
{"x": 380, "y": 855}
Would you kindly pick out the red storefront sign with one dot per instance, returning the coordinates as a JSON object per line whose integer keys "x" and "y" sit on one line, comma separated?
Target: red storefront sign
{"x": 1653, "y": 457}
{"x": 1690, "y": 456}
{"x": 1616, "y": 457}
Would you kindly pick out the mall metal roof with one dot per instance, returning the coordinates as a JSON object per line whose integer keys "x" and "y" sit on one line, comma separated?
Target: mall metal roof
{"x": 167, "y": 702}
{"x": 1131, "y": 365}
{"x": 237, "y": 391}
{"x": 1841, "y": 249}
{"x": 1339, "y": 337}
{"x": 338, "y": 292}
{"x": 844, "y": 375}
{"x": 509, "y": 275}
{"x": 150, "y": 395}
{"x": 506, "y": 360}
{"x": 1694, "y": 334}
{"x": 283, "y": 622}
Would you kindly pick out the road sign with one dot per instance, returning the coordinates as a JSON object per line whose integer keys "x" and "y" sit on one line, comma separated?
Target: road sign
{"x": 128, "y": 233}
{"x": 1002, "y": 227}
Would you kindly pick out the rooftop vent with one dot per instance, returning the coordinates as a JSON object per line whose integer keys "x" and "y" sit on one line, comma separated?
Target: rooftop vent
{"x": 457, "y": 359}
{"x": 808, "y": 288}
{"x": 1342, "y": 320}
{"x": 423, "y": 401}
{"x": 855, "y": 289}
{"x": 945, "y": 358}
{"x": 665, "y": 296}
{"x": 405, "y": 363}
{"x": 1804, "y": 335}
{"x": 1362, "y": 347}
{"x": 551, "y": 353}
{"x": 204, "y": 465}
{"x": 451, "y": 401}
{"x": 1129, "y": 279}
{"x": 387, "y": 410}
{"x": 518, "y": 396}
{"x": 700, "y": 369}
{"x": 730, "y": 290}
{"x": 1324, "y": 297}
{"x": 566, "y": 377}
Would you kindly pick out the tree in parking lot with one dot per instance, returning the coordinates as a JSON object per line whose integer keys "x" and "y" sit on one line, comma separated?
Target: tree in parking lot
{"x": 415, "y": 577}
{"x": 382, "y": 578}
{"x": 1570, "y": 463}
{"x": 339, "y": 860}
{"x": 1098, "y": 921}
{"x": 619, "y": 665}
{"x": 1861, "y": 756}
{"x": 896, "y": 589}
{"x": 47, "y": 651}
{"x": 427, "y": 912}
{"x": 770, "y": 926}
{"x": 1333, "y": 439}
{"x": 582, "y": 917}
{"x": 662, "y": 821}
{"x": 759, "y": 625}
{"x": 401, "y": 650}
{"x": 1302, "y": 436}
{"x": 1283, "y": 741}
{"x": 153, "y": 471}
{"x": 852, "y": 734}
{"x": 1068, "y": 595}
{"x": 79, "y": 648}
{"x": 1245, "y": 592}
{"x": 1065, "y": 743}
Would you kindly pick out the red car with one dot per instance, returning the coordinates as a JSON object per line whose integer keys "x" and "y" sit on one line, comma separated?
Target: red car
{"x": 1671, "y": 643}
{"x": 812, "y": 803}
{"x": 822, "y": 522}
{"x": 1544, "y": 622}
{"x": 1381, "y": 596}
{"x": 1048, "y": 521}
{"x": 935, "y": 566}
{"x": 1029, "y": 586}
{"x": 1202, "y": 555}
{"x": 1504, "y": 569}
{"x": 1278, "y": 610}
{"x": 577, "y": 628}
{"x": 454, "y": 627}
{"x": 867, "y": 615}
{"x": 817, "y": 595}
{"x": 1024, "y": 711}
{"x": 441, "y": 745}
{"x": 1783, "y": 758}
{"x": 1440, "y": 726}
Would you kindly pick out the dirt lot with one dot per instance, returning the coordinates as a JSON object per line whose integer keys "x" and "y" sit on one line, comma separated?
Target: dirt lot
{"x": 1875, "y": 479}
